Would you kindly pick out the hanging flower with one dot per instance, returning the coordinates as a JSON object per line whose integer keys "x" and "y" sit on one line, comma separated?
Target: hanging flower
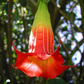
{"x": 41, "y": 60}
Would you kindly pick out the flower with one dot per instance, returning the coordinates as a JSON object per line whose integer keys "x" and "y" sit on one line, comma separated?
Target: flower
{"x": 41, "y": 60}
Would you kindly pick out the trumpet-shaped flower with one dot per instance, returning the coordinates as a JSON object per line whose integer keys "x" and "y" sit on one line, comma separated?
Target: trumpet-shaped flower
{"x": 41, "y": 60}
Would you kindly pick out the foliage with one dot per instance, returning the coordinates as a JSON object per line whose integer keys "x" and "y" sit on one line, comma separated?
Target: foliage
{"x": 56, "y": 81}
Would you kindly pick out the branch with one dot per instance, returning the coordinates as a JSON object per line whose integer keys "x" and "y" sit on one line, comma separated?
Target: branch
{"x": 25, "y": 33}
{"x": 52, "y": 11}
{"x": 81, "y": 2}
{"x": 65, "y": 16}
{"x": 77, "y": 48}
{"x": 2, "y": 74}
{"x": 9, "y": 41}
{"x": 33, "y": 6}
{"x": 57, "y": 14}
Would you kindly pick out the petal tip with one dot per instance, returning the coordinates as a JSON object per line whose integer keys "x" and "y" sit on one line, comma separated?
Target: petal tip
{"x": 14, "y": 67}
{"x": 13, "y": 43}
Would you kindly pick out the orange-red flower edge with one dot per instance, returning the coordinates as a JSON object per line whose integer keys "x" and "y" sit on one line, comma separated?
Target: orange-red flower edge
{"x": 41, "y": 60}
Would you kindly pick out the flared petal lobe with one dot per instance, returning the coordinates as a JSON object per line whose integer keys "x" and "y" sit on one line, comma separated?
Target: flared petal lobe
{"x": 41, "y": 60}
{"x": 32, "y": 66}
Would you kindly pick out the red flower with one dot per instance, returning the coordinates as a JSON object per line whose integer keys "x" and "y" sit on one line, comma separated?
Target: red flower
{"x": 41, "y": 60}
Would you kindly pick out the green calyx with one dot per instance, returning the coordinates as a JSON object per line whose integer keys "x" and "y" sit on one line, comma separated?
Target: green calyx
{"x": 46, "y": 1}
{"x": 42, "y": 16}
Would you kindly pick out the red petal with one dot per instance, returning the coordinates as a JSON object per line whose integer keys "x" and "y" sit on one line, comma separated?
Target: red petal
{"x": 21, "y": 56}
{"x": 30, "y": 65}
{"x": 56, "y": 54}
{"x": 41, "y": 39}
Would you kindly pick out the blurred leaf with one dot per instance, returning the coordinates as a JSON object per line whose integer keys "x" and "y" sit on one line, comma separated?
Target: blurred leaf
{"x": 17, "y": 14}
{"x": 21, "y": 22}
{"x": 79, "y": 19}
{"x": 56, "y": 81}
{"x": 20, "y": 1}
{"x": 64, "y": 28}
{"x": 81, "y": 26}
{"x": 72, "y": 15}
{"x": 28, "y": 7}
{"x": 2, "y": 1}
{"x": 76, "y": 28}
{"x": 5, "y": 6}
{"x": 5, "y": 83}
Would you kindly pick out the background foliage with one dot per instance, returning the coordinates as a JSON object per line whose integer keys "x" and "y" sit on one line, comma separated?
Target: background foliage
{"x": 16, "y": 18}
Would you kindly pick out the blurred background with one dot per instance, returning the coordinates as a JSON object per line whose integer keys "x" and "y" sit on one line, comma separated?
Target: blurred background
{"x": 67, "y": 18}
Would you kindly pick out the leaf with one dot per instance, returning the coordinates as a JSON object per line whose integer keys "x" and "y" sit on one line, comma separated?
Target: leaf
{"x": 5, "y": 83}
{"x": 56, "y": 81}
{"x": 71, "y": 14}
{"x": 64, "y": 28}
{"x": 28, "y": 7}
{"x": 2, "y": 1}
{"x": 79, "y": 19}
{"x": 17, "y": 14}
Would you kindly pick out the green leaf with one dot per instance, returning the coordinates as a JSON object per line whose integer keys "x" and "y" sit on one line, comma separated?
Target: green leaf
{"x": 5, "y": 83}
{"x": 1, "y": 1}
{"x": 17, "y": 14}
{"x": 56, "y": 81}
{"x": 79, "y": 19}
{"x": 64, "y": 28}
{"x": 20, "y": 1}
{"x": 28, "y": 7}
